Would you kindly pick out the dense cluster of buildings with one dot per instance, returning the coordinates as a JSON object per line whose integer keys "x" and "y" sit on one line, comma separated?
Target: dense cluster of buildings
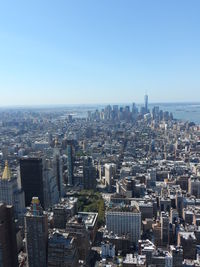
{"x": 144, "y": 164}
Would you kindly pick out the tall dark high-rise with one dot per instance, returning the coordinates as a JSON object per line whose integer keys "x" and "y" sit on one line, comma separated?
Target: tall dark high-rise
{"x": 8, "y": 243}
{"x": 89, "y": 174}
{"x": 36, "y": 235}
{"x": 31, "y": 171}
{"x": 70, "y": 164}
{"x": 164, "y": 229}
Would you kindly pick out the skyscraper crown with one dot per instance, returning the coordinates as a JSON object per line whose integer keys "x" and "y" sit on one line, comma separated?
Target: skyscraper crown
{"x": 6, "y": 173}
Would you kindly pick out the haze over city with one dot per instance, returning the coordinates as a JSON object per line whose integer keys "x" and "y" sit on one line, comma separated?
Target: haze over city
{"x": 99, "y": 133}
{"x": 88, "y": 52}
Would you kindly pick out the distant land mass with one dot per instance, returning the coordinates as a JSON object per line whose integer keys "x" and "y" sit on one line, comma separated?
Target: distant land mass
{"x": 182, "y": 111}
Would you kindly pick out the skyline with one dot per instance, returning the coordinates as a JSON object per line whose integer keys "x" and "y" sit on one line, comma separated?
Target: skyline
{"x": 83, "y": 53}
{"x": 97, "y": 105}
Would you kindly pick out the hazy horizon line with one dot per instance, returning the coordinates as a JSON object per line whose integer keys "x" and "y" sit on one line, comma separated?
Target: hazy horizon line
{"x": 96, "y": 104}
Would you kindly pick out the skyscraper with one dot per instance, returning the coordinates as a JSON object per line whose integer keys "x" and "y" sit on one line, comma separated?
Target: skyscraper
{"x": 146, "y": 103}
{"x": 62, "y": 250}
{"x": 57, "y": 165}
{"x": 70, "y": 164}
{"x": 110, "y": 170}
{"x": 8, "y": 243}
{"x": 31, "y": 171}
{"x": 124, "y": 220}
{"x": 89, "y": 174}
{"x": 164, "y": 229}
{"x": 36, "y": 235}
{"x": 51, "y": 194}
{"x": 11, "y": 193}
{"x": 77, "y": 229}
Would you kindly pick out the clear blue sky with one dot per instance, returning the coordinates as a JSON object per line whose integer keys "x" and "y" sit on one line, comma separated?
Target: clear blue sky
{"x": 99, "y": 51}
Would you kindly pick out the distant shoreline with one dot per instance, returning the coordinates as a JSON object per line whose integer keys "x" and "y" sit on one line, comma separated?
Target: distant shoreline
{"x": 94, "y": 105}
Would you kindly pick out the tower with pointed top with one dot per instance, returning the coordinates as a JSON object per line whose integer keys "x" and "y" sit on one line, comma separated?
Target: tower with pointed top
{"x": 6, "y": 173}
{"x": 10, "y": 192}
{"x": 146, "y": 103}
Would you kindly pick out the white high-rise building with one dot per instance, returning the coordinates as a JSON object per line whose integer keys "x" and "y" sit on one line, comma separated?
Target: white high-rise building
{"x": 11, "y": 193}
{"x": 124, "y": 220}
{"x": 110, "y": 170}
